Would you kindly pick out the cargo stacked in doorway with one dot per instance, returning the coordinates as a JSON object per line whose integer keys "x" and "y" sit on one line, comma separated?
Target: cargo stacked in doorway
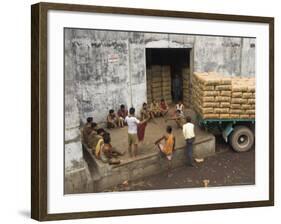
{"x": 186, "y": 85}
{"x": 156, "y": 82}
{"x": 148, "y": 86}
{"x": 215, "y": 96}
{"x": 159, "y": 83}
{"x": 166, "y": 83}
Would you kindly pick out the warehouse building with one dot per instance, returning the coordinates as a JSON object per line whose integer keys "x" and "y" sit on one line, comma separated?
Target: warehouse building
{"x": 104, "y": 69}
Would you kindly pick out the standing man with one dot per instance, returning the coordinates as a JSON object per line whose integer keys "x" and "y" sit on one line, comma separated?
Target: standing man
{"x": 189, "y": 136}
{"x": 132, "y": 123}
{"x": 177, "y": 87}
{"x": 168, "y": 147}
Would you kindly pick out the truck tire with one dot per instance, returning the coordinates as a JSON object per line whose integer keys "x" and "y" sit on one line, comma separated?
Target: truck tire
{"x": 242, "y": 139}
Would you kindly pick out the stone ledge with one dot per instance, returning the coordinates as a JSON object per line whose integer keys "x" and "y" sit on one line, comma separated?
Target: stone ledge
{"x": 106, "y": 176}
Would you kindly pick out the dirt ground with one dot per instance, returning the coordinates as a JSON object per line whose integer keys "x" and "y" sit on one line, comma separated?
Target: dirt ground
{"x": 226, "y": 168}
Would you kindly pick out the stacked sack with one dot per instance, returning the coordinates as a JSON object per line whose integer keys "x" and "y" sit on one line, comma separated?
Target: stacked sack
{"x": 211, "y": 95}
{"x": 156, "y": 82}
{"x": 159, "y": 83}
{"x": 186, "y": 85}
{"x": 166, "y": 83}
{"x": 148, "y": 86}
{"x": 243, "y": 98}
{"x": 220, "y": 97}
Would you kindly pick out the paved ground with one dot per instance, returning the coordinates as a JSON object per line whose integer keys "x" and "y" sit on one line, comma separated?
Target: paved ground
{"x": 226, "y": 168}
{"x": 154, "y": 130}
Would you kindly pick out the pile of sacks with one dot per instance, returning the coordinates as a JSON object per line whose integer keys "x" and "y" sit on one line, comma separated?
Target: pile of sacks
{"x": 159, "y": 83}
{"x": 186, "y": 85}
{"x": 166, "y": 83}
{"x": 215, "y": 96}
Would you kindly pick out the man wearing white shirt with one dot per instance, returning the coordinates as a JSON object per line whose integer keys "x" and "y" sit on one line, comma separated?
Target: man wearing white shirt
{"x": 132, "y": 123}
{"x": 189, "y": 136}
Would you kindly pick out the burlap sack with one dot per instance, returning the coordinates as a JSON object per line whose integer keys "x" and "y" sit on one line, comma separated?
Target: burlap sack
{"x": 235, "y": 111}
{"x": 251, "y": 89}
{"x": 166, "y": 88}
{"x": 209, "y": 93}
{"x": 155, "y": 79}
{"x": 224, "y": 116}
{"x": 250, "y": 111}
{"x": 237, "y": 88}
{"x": 223, "y": 87}
{"x": 247, "y": 95}
{"x": 166, "y": 68}
{"x": 225, "y": 104}
{"x": 156, "y": 84}
{"x": 221, "y": 110}
{"x": 206, "y": 88}
{"x": 239, "y": 101}
{"x": 234, "y": 115}
{"x": 235, "y": 106}
{"x": 156, "y": 89}
{"x": 245, "y": 116}
{"x": 156, "y": 95}
{"x": 251, "y": 101}
{"x": 222, "y": 99}
{"x": 208, "y": 99}
{"x": 210, "y": 116}
{"x": 165, "y": 93}
{"x": 225, "y": 93}
{"x": 206, "y": 110}
{"x": 246, "y": 106}
{"x": 210, "y": 104}
{"x": 166, "y": 82}
{"x": 156, "y": 68}
{"x": 236, "y": 95}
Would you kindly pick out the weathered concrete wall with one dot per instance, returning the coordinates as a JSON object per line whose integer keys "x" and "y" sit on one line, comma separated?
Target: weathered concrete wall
{"x": 109, "y": 67}
{"x": 226, "y": 55}
{"x": 104, "y": 69}
{"x": 77, "y": 176}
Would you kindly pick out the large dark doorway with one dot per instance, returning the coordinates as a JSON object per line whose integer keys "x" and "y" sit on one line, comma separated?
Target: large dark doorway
{"x": 173, "y": 62}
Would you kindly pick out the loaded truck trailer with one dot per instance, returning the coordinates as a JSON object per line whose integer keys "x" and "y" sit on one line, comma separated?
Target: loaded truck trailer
{"x": 239, "y": 133}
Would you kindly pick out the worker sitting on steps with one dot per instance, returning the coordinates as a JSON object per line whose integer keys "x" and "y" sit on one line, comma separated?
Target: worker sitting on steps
{"x": 113, "y": 120}
{"x": 86, "y": 130}
{"x": 105, "y": 152}
{"x": 154, "y": 109}
{"x": 164, "y": 108}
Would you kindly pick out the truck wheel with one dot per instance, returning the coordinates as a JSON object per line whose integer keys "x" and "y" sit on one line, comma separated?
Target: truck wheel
{"x": 242, "y": 139}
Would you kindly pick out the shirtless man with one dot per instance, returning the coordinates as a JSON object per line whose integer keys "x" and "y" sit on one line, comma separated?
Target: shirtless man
{"x": 164, "y": 108}
{"x": 113, "y": 120}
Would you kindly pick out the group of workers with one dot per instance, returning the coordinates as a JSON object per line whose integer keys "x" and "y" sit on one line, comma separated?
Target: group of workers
{"x": 99, "y": 141}
{"x": 156, "y": 110}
